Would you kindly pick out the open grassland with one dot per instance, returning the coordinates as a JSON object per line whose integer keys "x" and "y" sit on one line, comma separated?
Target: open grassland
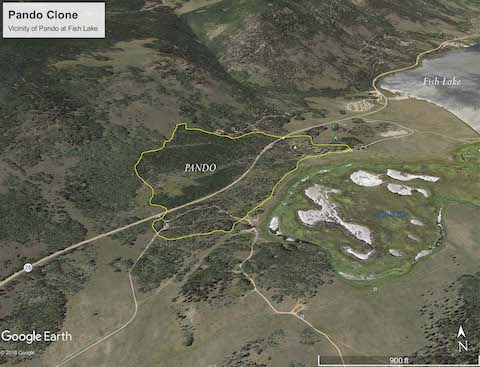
{"x": 437, "y": 135}
{"x": 362, "y": 205}
{"x": 393, "y": 320}
{"x": 74, "y": 293}
{"x": 90, "y": 108}
{"x": 236, "y": 335}
{"x": 459, "y": 305}
{"x": 468, "y": 153}
{"x": 186, "y": 284}
{"x": 203, "y": 314}
{"x": 39, "y": 301}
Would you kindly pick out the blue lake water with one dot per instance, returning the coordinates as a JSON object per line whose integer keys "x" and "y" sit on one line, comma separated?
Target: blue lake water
{"x": 436, "y": 81}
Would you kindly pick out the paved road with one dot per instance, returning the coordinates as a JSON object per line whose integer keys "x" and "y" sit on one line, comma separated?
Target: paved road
{"x": 375, "y": 87}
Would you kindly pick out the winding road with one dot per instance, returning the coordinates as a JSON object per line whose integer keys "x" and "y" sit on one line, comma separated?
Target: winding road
{"x": 156, "y": 216}
{"x": 295, "y": 311}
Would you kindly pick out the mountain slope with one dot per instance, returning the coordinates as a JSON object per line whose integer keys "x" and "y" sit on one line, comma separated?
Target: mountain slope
{"x": 75, "y": 115}
{"x": 313, "y": 44}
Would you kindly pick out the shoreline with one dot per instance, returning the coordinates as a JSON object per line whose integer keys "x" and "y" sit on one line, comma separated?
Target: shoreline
{"x": 474, "y": 125}
{"x": 467, "y": 113}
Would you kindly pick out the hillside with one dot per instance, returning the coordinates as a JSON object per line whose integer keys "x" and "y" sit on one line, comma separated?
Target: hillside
{"x": 322, "y": 44}
{"x": 76, "y": 114}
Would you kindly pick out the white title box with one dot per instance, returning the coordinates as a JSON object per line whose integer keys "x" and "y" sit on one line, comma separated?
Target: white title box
{"x": 53, "y": 20}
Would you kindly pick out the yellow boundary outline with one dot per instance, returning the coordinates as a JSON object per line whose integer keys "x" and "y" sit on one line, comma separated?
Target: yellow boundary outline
{"x": 272, "y": 192}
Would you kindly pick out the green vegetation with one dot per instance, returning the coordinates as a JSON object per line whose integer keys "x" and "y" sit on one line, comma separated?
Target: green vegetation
{"x": 356, "y": 132}
{"x": 269, "y": 169}
{"x": 367, "y": 206}
{"x": 129, "y": 237}
{"x": 201, "y": 219}
{"x": 166, "y": 170}
{"x": 288, "y": 269}
{"x": 309, "y": 336}
{"x": 457, "y": 307}
{"x": 119, "y": 5}
{"x": 215, "y": 281}
{"x": 38, "y": 301}
{"x": 180, "y": 185}
{"x": 120, "y": 264}
{"x": 29, "y": 220}
{"x": 77, "y": 113}
{"x": 253, "y": 348}
{"x": 165, "y": 259}
{"x": 161, "y": 262}
{"x": 237, "y": 32}
{"x": 456, "y": 302}
{"x": 468, "y": 154}
{"x": 187, "y": 327}
{"x": 103, "y": 181}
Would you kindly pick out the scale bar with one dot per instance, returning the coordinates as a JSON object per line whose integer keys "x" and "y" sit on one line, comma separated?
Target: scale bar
{"x": 319, "y": 364}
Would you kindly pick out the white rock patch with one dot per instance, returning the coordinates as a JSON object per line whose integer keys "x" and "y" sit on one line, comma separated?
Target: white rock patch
{"x": 416, "y": 222}
{"x": 366, "y": 179}
{"x": 354, "y": 277}
{"x": 312, "y": 217}
{"x": 395, "y": 253}
{"x": 423, "y": 254}
{"x": 400, "y": 189}
{"x": 274, "y": 224}
{"x": 405, "y": 190}
{"x": 413, "y": 238}
{"x": 439, "y": 216}
{"x": 358, "y": 255}
{"x": 432, "y": 248}
{"x": 393, "y": 133}
{"x": 423, "y": 192}
{"x": 402, "y": 176}
{"x": 361, "y": 232}
{"x": 328, "y": 213}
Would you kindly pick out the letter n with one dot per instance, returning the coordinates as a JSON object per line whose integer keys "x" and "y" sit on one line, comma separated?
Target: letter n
{"x": 463, "y": 346}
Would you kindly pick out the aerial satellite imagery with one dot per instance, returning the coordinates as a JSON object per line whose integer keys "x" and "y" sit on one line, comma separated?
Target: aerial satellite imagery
{"x": 240, "y": 183}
